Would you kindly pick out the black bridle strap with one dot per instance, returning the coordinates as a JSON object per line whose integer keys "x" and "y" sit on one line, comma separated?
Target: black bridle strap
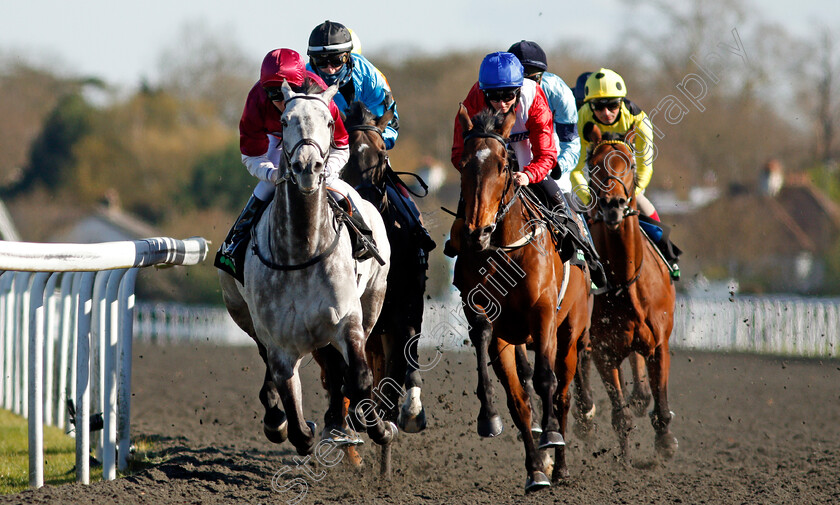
{"x": 300, "y": 266}
{"x": 324, "y": 153}
{"x": 365, "y": 128}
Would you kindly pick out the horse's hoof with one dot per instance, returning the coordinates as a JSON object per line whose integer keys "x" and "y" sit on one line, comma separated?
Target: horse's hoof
{"x": 492, "y": 427}
{"x": 412, "y": 424}
{"x": 390, "y": 434}
{"x": 536, "y": 481}
{"x": 341, "y": 438}
{"x": 551, "y": 439}
{"x": 536, "y": 430}
{"x": 276, "y": 432}
{"x": 666, "y": 445}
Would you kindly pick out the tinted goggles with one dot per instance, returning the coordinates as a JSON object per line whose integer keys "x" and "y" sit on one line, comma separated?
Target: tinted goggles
{"x": 502, "y": 94}
{"x": 274, "y": 94}
{"x": 611, "y": 104}
{"x": 329, "y": 60}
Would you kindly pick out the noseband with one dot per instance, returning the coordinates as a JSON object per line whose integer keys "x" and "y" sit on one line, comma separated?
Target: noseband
{"x": 628, "y": 192}
{"x": 504, "y": 207}
{"x": 288, "y": 153}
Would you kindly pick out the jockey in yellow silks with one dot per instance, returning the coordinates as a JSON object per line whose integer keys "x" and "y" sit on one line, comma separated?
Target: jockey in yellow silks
{"x": 606, "y": 105}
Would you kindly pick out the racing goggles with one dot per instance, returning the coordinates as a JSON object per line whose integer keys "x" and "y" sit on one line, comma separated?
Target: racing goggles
{"x": 501, "y": 94}
{"x": 329, "y": 60}
{"x": 606, "y": 103}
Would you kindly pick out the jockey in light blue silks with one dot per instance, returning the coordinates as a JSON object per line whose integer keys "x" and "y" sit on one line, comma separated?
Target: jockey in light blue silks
{"x": 561, "y": 101}
{"x": 332, "y": 57}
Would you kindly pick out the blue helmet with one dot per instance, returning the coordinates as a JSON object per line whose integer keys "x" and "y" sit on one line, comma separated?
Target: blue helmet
{"x": 500, "y": 70}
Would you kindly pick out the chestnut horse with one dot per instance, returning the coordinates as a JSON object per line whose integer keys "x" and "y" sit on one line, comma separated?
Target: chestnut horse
{"x": 636, "y": 313}
{"x": 516, "y": 291}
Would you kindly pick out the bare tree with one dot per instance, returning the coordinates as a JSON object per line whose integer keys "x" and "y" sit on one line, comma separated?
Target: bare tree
{"x": 206, "y": 64}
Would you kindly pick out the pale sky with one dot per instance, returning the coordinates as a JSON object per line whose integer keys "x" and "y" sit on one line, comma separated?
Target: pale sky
{"x": 121, "y": 42}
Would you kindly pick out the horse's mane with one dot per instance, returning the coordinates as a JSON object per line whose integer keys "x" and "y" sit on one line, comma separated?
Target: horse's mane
{"x": 359, "y": 114}
{"x": 487, "y": 121}
{"x": 310, "y": 87}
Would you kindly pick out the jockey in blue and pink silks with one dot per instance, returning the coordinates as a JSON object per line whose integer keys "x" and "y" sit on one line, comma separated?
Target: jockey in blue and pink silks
{"x": 261, "y": 142}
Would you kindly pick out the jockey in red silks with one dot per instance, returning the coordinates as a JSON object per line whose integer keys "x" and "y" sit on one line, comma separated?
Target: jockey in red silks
{"x": 501, "y": 85}
{"x": 260, "y": 142}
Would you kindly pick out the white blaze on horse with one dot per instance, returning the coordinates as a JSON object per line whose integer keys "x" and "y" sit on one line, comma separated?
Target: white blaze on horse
{"x": 303, "y": 289}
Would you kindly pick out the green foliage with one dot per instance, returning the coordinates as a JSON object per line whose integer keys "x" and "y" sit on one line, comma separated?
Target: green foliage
{"x": 827, "y": 178}
{"x": 51, "y": 158}
{"x": 219, "y": 179}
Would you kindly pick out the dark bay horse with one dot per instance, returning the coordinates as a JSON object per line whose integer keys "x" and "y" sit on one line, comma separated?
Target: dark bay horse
{"x": 635, "y": 316}
{"x": 304, "y": 290}
{"x": 392, "y": 347}
{"x": 516, "y": 290}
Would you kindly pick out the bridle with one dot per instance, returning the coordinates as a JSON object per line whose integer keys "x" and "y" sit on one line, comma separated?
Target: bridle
{"x": 504, "y": 207}
{"x": 288, "y": 153}
{"x": 629, "y": 193}
{"x": 628, "y": 211}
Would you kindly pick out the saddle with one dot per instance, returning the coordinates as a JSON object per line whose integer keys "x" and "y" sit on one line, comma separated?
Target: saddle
{"x": 566, "y": 241}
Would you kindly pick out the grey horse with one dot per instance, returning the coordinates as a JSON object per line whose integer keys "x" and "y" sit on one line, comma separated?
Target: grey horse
{"x": 303, "y": 289}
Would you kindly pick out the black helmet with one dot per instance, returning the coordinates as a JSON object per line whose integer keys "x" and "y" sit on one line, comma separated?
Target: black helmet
{"x": 330, "y": 38}
{"x": 530, "y": 54}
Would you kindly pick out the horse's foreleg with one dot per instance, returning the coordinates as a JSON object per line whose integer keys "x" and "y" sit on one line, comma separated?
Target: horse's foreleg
{"x": 503, "y": 357}
{"x": 584, "y": 412}
{"x": 659, "y": 365}
{"x": 489, "y": 421}
{"x": 275, "y": 426}
{"x": 640, "y": 397}
{"x": 622, "y": 420}
{"x": 284, "y": 373}
{"x": 526, "y": 376}
{"x": 545, "y": 381}
{"x": 412, "y": 417}
{"x": 567, "y": 360}
{"x": 359, "y": 385}
{"x": 333, "y": 370}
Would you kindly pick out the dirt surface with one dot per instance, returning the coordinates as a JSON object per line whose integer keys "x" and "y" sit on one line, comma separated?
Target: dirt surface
{"x": 751, "y": 430}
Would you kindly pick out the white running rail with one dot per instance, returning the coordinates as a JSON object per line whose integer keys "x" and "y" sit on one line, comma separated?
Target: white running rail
{"x": 56, "y": 302}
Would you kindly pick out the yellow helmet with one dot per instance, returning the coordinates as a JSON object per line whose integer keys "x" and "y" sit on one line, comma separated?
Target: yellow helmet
{"x": 357, "y": 44}
{"x": 604, "y": 83}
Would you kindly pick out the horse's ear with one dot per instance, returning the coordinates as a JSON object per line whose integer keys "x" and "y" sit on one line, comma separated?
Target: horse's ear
{"x": 386, "y": 118}
{"x": 630, "y": 136}
{"x": 287, "y": 90}
{"x": 329, "y": 93}
{"x": 464, "y": 118}
{"x": 591, "y": 132}
{"x": 507, "y": 126}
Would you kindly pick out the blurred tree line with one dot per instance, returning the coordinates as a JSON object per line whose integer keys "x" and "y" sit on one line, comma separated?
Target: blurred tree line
{"x": 169, "y": 149}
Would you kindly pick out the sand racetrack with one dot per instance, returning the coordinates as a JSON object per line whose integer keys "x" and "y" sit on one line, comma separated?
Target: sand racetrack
{"x": 751, "y": 430}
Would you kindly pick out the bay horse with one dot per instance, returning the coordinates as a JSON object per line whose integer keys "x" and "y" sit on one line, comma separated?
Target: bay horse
{"x": 635, "y": 315}
{"x": 303, "y": 289}
{"x": 515, "y": 291}
{"x": 392, "y": 346}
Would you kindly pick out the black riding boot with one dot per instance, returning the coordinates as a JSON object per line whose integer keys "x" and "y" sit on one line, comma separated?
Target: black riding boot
{"x": 362, "y": 236}
{"x": 231, "y": 255}
{"x": 560, "y": 209}
{"x": 670, "y": 252}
